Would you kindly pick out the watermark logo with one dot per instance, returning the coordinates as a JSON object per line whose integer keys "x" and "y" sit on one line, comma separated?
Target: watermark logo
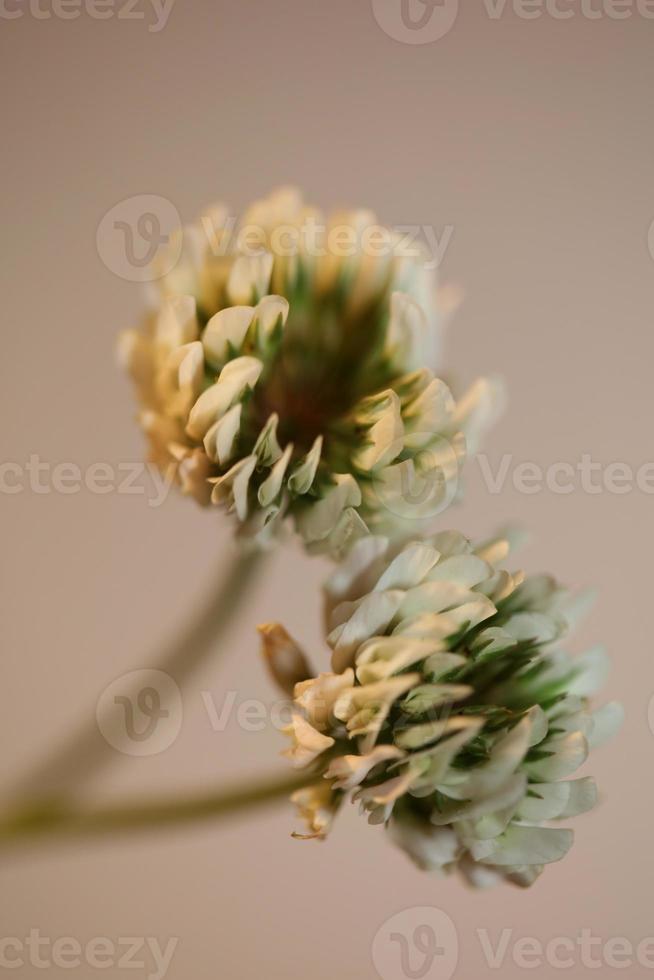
{"x": 416, "y": 21}
{"x": 134, "y": 231}
{"x": 423, "y": 486}
{"x": 416, "y": 944}
{"x": 140, "y": 713}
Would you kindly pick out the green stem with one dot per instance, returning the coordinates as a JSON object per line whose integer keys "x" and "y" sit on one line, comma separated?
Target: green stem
{"x": 53, "y": 820}
{"x": 71, "y": 765}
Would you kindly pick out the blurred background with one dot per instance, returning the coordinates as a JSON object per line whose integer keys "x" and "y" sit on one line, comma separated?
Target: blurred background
{"x": 530, "y": 139}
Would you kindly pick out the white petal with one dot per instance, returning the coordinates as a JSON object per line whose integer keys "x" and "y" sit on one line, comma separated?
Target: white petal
{"x": 267, "y": 448}
{"x": 606, "y": 722}
{"x": 271, "y": 486}
{"x": 219, "y": 440}
{"x": 269, "y": 311}
{"x": 591, "y": 670}
{"x": 568, "y": 753}
{"x": 505, "y": 757}
{"x": 177, "y": 323}
{"x": 382, "y": 656}
{"x": 582, "y": 798}
{"x": 249, "y": 278}
{"x": 234, "y": 485}
{"x": 464, "y": 570}
{"x": 406, "y": 335}
{"x": 348, "y": 771}
{"x": 235, "y": 377}
{"x": 409, "y": 568}
{"x": 316, "y": 522}
{"x": 226, "y": 328}
{"x": 525, "y": 845}
{"x": 350, "y": 577}
{"x": 304, "y": 472}
{"x": 308, "y": 744}
{"x": 371, "y": 618}
{"x": 548, "y": 803}
{"x": 318, "y": 696}
{"x": 382, "y": 441}
{"x": 479, "y": 409}
{"x": 418, "y": 736}
{"x": 429, "y": 847}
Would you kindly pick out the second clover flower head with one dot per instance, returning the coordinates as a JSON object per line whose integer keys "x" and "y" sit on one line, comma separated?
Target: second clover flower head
{"x": 451, "y": 714}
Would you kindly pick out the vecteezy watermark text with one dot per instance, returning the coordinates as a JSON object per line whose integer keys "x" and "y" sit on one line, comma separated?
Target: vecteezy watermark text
{"x": 423, "y": 944}
{"x": 99, "y": 953}
{"x": 562, "y": 478}
{"x": 156, "y": 12}
{"x": 427, "y": 21}
{"x": 585, "y": 475}
{"x": 135, "y": 230}
{"x": 39, "y": 476}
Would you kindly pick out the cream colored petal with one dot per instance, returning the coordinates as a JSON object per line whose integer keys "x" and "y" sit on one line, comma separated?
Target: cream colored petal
{"x": 349, "y": 771}
{"x": 319, "y": 519}
{"x": 479, "y": 409}
{"x": 249, "y": 278}
{"x": 567, "y": 754}
{"x": 409, "y": 568}
{"x": 524, "y": 845}
{"x": 177, "y": 323}
{"x": 505, "y": 757}
{"x": 382, "y": 441}
{"x": 505, "y": 797}
{"x": 406, "y": 339}
{"x": 533, "y": 626}
{"x": 427, "y": 697}
{"x": 356, "y": 573}
{"x": 234, "y": 379}
{"x": 431, "y": 848}
{"x": 435, "y": 597}
{"x": 582, "y": 798}
{"x": 233, "y": 487}
{"x": 545, "y": 802}
{"x": 385, "y": 793}
{"x": 308, "y": 743}
{"x": 270, "y": 311}
{"x": 227, "y": 328}
{"x": 317, "y": 696}
{"x": 349, "y": 528}
{"x": 219, "y": 440}
{"x": 304, "y": 471}
{"x": 464, "y": 570}
{"x": 267, "y": 447}
{"x": 606, "y": 722}
{"x": 432, "y": 765}
{"x": 272, "y": 485}
{"x": 418, "y": 736}
{"x": 591, "y": 671}
{"x": 317, "y": 805}
{"x": 380, "y": 657}
{"x": 372, "y": 617}
{"x": 431, "y": 412}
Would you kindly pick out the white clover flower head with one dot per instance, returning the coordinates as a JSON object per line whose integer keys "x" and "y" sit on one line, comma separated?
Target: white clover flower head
{"x": 282, "y": 373}
{"x": 453, "y": 716}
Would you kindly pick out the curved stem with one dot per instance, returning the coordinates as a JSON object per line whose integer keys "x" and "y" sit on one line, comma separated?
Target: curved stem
{"x": 53, "y": 820}
{"x": 70, "y": 765}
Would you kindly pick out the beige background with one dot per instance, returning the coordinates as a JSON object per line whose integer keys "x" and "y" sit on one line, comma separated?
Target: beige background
{"x": 533, "y": 138}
